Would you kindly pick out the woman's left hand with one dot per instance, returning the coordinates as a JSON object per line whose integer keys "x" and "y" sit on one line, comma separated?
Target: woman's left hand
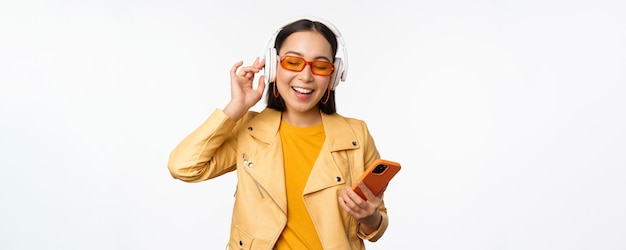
{"x": 364, "y": 211}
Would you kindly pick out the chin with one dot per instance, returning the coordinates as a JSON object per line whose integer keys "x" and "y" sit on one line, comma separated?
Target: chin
{"x": 301, "y": 108}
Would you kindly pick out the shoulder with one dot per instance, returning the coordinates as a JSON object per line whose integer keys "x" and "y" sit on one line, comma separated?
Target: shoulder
{"x": 262, "y": 124}
{"x": 263, "y": 116}
{"x": 339, "y": 125}
{"x": 341, "y": 129}
{"x": 350, "y": 121}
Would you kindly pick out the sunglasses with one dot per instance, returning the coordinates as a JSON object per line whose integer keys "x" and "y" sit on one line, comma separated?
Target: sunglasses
{"x": 297, "y": 64}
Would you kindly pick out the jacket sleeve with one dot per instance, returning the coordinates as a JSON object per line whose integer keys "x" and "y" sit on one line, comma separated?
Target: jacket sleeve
{"x": 374, "y": 236}
{"x": 370, "y": 155}
{"x": 208, "y": 152}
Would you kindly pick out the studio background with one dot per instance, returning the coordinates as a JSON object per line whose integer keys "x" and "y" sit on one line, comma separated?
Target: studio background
{"x": 508, "y": 118}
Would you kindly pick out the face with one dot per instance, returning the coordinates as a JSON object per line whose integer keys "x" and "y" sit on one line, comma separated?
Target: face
{"x": 303, "y": 90}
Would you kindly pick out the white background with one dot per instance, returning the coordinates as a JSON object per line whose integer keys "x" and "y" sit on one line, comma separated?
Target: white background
{"x": 507, "y": 116}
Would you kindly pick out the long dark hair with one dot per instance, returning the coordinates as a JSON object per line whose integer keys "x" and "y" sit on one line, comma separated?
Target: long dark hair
{"x": 278, "y": 103}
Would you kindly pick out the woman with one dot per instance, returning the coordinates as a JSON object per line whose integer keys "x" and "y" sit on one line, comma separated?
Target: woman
{"x": 297, "y": 159}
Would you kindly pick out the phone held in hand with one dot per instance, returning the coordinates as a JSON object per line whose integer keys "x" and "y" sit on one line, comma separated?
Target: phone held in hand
{"x": 377, "y": 176}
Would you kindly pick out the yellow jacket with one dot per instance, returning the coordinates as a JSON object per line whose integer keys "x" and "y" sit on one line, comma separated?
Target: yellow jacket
{"x": 252, "y": 146}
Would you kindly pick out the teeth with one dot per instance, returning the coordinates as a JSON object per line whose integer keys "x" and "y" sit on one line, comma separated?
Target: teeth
{"x": 302, "y": 90}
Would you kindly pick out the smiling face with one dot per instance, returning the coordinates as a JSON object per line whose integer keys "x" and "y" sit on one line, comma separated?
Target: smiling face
{"x": 303, "y": 90}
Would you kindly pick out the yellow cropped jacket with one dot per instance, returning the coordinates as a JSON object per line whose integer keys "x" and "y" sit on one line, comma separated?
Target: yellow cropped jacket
{"x": 252, "y": 146}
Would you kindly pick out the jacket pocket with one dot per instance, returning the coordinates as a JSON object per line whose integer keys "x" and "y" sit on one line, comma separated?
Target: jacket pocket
{"x": 240, "y": 239}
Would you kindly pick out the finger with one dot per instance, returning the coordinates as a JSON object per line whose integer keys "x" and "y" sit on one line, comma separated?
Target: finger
{"x": 245, "y": 71}
{"x": 348, "y": 204}
{"x": 352, "y": 208}
{"x": 346, "y": 198}
{"x": 349, "y": 210}
{"x": 342, "y": 203}
{"x": 260, "y": 64}
{"x": 355, "y": 197}
{"x": 354, "y": 200}
{"x": 233, "y": 70}
{"x": 249, "y": 75}
{"x": 366, "y": 191}
{"x": 261, "y": 85}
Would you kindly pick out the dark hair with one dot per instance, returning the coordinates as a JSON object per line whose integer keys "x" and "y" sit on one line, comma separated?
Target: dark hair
{"x": 278, "y": 103}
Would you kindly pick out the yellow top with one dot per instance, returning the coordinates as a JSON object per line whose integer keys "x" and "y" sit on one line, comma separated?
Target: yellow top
{"x": 301, "y": 146}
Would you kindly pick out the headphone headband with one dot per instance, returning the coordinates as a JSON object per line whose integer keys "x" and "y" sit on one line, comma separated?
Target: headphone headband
{"x": 341, "y": 63}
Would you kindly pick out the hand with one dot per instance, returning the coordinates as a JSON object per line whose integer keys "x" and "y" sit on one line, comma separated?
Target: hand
{"x": 364, "y": 211}
{"x": 243, "y": 96}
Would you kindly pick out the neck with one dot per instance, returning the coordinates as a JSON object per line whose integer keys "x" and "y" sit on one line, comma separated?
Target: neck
{"x": 307, "y": 119}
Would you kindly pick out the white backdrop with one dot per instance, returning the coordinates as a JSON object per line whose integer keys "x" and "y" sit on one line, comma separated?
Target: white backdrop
{"x": 507, "y": 116}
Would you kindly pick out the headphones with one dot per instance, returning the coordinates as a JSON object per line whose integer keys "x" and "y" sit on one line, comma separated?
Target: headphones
{"x": 341, "y": 63}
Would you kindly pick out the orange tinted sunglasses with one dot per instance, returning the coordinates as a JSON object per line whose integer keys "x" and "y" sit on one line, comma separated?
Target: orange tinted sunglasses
{"x": 297, "y": 64}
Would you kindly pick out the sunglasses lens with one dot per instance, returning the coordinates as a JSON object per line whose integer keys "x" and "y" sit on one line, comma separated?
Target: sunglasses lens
{"x": 294, "y": 63}
{"x": 322, "y": 68}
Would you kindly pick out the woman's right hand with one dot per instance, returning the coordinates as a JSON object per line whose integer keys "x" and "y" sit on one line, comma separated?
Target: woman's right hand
{"x": 243, "y": 96}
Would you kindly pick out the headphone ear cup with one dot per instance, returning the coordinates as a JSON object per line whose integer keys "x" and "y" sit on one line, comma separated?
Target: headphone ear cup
{"x": 270, "y": 66}
{"x": 338, "y": 74}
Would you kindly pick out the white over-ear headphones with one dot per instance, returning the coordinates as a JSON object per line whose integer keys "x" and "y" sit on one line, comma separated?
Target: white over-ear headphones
{"x": 341, "y": 63}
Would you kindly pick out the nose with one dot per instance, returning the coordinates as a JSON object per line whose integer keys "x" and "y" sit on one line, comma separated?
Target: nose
{"x": 306, "y": 75}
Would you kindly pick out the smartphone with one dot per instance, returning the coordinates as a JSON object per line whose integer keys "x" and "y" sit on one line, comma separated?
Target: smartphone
{"x": 377, "y": 176}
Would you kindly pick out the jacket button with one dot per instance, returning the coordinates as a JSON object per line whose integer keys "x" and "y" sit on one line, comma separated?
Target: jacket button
{"x": 338, "y": 178}
{"x": 353, "y": 143}
{"x": 241, "y": 243}
{"x": 250, "y": 128}
{"x": 251, "y": 164}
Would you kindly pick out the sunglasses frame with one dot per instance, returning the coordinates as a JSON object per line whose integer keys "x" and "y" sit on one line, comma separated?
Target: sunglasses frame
{"x": 310, "y": 63}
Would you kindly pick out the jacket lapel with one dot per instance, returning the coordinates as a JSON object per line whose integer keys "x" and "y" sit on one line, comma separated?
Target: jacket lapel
{"x": 327, "y": 170}
{"x": 268, "y": 170}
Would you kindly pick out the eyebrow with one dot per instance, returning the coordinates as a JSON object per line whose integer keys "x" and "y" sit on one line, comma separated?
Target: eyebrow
{"x": 301, "y": 55}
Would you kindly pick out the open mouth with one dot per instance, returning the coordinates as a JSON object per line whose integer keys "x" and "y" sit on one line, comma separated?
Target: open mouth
{"x": 302, "y": 90}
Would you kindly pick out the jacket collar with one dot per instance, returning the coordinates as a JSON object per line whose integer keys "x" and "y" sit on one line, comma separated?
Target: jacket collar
{"x": 339, "y": 134}
{"x": 325, "y": 172}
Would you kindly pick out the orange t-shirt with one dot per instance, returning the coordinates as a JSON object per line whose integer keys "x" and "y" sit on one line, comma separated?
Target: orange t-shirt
{"x": 301, "y": 146}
